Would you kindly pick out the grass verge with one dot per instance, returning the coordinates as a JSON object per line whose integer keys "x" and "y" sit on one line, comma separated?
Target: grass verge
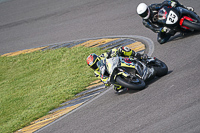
{"x": 33, "y": 84}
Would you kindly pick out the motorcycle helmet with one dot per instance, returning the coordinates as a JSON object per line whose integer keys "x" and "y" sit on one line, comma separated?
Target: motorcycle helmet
{"x": 92, "y": 60}
{"x": 143, "y": 10}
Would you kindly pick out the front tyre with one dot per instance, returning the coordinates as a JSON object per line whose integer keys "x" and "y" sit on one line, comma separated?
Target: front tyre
{"x": 134, "y": 84}
{"x": 160, "y": 68}
{"x": 192, "y": 25}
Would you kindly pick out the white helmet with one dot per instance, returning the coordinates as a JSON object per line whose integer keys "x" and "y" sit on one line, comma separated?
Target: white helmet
{"x": 143, "y": 10}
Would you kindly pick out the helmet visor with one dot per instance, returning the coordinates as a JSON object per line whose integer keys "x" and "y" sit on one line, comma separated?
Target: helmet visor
{"x": 145, "y": 15}
{"x": 92, "y": 60}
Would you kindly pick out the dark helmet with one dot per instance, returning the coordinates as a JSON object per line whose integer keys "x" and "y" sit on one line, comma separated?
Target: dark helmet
{"x": 143, "y": 10}
{"x": 92, "y": 60}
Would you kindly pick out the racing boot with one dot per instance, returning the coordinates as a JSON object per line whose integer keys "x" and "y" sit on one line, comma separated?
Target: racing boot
{"x": 119, "y": 88}
{"x": 190, "y": 9}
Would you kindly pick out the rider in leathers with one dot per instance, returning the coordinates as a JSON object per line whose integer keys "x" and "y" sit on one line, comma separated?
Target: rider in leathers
{"x": 92, "y": 60}
{"x": 150, "y": 17}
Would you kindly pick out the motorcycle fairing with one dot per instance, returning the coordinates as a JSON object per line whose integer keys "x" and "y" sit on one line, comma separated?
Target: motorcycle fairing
{"x": 172, "y": 18}
{"x": 127, "y": 62}
{"x": 168, "y": 15}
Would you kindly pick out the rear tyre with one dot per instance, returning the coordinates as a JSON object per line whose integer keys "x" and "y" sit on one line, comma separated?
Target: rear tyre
{"x": 135, "y": 84}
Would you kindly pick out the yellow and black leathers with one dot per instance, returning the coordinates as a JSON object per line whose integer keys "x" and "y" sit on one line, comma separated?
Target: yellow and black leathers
{"x": 121, "y": 51}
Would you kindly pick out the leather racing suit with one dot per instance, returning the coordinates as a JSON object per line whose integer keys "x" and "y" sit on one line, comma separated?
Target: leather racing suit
{"x": 121, "y": 51}
{"x": 156, "y": 27}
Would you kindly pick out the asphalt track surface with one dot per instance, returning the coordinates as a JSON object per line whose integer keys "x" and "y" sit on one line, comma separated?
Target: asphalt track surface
{"x": 170, "y": 104}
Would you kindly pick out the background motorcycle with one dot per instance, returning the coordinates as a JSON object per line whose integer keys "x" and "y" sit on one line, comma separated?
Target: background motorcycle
{"x": 132, "y": 73}
{"x": 179, "y": 19}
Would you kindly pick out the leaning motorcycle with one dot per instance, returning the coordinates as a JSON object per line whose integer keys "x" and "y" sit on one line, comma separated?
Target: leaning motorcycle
{"x": 132, "y": 73}
{"x": 179, "y": 19}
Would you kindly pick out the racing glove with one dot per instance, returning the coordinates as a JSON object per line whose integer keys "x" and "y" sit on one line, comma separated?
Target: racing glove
{"x": 97, "y": 74}
{"x": 173, "y": 4}
{"x": 145, "y": 56}
{"x": 165, "y": 29}
{"x": 168, "y": 31}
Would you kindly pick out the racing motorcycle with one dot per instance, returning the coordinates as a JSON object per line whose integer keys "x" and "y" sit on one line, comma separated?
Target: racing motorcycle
{"x": 132, "y": 73}
{"x": 179, "y": 19}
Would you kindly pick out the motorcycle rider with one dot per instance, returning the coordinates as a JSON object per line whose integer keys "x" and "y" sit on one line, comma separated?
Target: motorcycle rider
{"x": 92, "y": 60}
{"x": 150, "y": 18}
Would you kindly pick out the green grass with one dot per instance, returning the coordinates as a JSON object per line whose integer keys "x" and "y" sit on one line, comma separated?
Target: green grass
{"x": 33, "y": 84}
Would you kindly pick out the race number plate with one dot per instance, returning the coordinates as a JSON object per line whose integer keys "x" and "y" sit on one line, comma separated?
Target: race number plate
{"x": 172, "y": 18}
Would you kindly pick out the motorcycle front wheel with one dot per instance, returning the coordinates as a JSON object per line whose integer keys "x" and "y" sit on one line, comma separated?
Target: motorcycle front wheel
{"x": 192, "y": 25}
{"x": 160, "y": 68}
{"x": 134, "y": 84}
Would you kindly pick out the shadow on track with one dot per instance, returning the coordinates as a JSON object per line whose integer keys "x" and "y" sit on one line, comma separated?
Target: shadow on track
{"x": 183, "y": 35}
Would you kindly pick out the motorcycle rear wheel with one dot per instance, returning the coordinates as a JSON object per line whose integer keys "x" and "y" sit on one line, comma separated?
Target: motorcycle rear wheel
{"x": 136, "y": 84}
